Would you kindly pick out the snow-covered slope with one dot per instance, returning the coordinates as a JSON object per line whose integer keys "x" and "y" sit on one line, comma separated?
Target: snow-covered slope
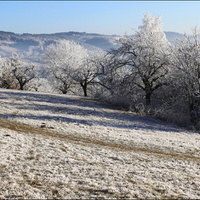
{"x": 60, "y": 146}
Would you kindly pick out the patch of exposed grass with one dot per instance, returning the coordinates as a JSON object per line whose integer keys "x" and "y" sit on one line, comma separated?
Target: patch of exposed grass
{"x": 38, "y": 183}
{"x": 2, "y": 168}
{"x": 35, "y": 183}
{"x": 64, "y": 149}
{"x": 102, "y": 193}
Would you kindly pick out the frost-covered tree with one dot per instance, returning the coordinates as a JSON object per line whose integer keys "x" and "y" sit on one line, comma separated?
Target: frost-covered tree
{"x": 6, "y": 77}
{"x": 63, "y": 58}
{"x": 21, "y": 71}
{"x": 146, "y": 55}
{"x": 84, "y": 75}
{"x": 87, "y": 74}
{"x": 111, "y": 72}
{"x": 186, "y": 60}
{"x": 16, "y": 74}
{"x": 40, "y": 85}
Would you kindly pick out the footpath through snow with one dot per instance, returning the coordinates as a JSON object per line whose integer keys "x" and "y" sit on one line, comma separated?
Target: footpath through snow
{"x": 60, "y": 146}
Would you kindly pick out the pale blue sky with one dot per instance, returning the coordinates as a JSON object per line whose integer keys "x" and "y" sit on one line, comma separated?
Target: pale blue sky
{"x": 105, "y": 17}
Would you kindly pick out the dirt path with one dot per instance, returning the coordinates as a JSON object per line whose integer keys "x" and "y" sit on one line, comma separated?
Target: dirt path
{"x": 27, "y": 129}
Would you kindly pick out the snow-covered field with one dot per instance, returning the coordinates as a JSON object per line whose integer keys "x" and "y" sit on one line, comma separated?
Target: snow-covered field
{"x": 60, "y": 146}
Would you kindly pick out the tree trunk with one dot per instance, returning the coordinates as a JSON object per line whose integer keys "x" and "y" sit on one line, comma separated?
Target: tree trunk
{"x": 64, "y": 92}
{"x": 194, "y": 106}
{"x": 148, "y": 91}
{"x": 85, "y": 91}
{"x": 148, "y": 98}
{"x": 21, "y": 87}
{"x": 84, "y": 87}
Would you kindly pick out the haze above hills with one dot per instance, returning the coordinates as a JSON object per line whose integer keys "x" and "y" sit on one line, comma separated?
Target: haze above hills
{"x": 29, "y": 46}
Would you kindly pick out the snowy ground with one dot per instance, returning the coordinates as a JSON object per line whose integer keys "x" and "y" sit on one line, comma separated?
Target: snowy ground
{"x": 59, "y": 146}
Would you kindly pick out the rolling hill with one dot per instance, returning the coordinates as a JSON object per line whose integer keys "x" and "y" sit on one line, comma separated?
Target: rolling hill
{"x": 30, "y": 46}
{"x": 61, "y": 146}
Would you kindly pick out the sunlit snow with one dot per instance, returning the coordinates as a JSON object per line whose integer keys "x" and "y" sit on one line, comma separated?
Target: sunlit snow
{"x": 61, "y": 146}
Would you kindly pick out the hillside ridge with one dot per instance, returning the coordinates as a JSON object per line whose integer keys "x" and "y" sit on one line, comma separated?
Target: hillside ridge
{"x": 64, "y": 146}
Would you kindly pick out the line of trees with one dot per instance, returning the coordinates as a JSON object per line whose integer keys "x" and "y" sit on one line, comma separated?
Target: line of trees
{"x": 145, "y": 73}
{"x": 148, "y": 73}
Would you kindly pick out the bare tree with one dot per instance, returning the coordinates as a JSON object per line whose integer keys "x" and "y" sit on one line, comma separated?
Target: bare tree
{"x": 16, "y": 74}
{"x": 111, "y": 72}
{"x": 22, "y": 72}
{"x": 6, "y": 77}
{"x": 145, "y": 56}
{"x": 63, "y": 58}
{"x": 84, "y": 76}
{"x": 87, "y": 74}
{"x": 186, "y": 60}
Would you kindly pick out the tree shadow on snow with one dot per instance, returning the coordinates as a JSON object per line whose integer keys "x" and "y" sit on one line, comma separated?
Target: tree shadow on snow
{"x": 85, "y": 107}
{"x": 138, "y": 124}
